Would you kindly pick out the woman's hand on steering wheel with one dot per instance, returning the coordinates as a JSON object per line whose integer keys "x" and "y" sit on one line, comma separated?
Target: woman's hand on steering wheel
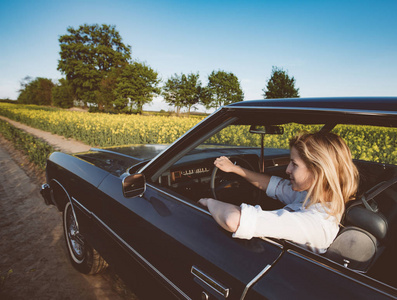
{"x": 226, "y": 182}
{"x": 224, "y": 164}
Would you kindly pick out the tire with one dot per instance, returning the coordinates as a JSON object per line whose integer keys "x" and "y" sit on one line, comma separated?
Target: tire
{"x": 83, "y": 257}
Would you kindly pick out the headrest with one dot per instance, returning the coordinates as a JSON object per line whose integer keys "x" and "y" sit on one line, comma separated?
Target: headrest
{"x": 373, "y": 222}
{"x": 353, "y": 247}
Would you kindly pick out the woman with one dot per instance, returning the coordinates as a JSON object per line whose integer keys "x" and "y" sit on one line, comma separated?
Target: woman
{"x": 322, "y": 178}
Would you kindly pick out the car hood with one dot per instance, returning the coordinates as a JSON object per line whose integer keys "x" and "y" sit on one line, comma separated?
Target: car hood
{"x": 142, "y": 152}
{"x": 117, "y": 160}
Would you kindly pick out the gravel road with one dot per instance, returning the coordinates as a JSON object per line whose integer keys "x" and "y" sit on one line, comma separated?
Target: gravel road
{"x": 33, "y": 260}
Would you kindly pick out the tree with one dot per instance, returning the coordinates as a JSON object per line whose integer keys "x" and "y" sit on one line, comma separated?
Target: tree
{"x": 182, "y": 91}
{"x": 24, "y": 93}
{"x": 223, "y": 88}
{"x": 88, "y": 54}
{"x": 37, "y": 91}
{"x": 171, "y": 92}
{"x": 280, "y": 85}
{"x": 136, "y": 86}
{"x": 105, "y": 95}
{"x": 62, "y": 94}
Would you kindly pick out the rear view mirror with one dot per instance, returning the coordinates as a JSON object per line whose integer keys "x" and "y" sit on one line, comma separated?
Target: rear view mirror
{"x": 266, "y": 129}
{"x": 134, "y": 185}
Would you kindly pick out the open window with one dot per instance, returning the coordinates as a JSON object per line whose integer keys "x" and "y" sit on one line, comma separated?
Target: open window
{"x": 254, "y": 146}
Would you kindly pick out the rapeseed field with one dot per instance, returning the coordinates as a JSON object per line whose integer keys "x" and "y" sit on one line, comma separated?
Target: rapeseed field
{"x": 103, "y": 130}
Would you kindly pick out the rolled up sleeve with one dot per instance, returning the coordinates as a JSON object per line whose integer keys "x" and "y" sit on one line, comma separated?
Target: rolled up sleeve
{"x": 281, "y": 189}
{"x": 311, "y": 229}
{"x": 248, "y": 220}
{"x": 272, "y": 186}
{"x": 255, "y": 222}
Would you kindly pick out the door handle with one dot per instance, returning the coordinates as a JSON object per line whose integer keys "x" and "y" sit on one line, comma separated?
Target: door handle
{"x": 210, "y": 282}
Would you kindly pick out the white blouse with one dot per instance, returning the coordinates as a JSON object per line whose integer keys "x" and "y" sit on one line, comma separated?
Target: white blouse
{"x": 310, "y": 227}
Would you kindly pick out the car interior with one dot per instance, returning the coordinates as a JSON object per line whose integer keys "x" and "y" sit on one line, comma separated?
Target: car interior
{"x": 367, "y": 240}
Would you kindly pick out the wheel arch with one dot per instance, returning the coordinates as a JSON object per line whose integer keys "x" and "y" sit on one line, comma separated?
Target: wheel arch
{"x": 59, "y": 195}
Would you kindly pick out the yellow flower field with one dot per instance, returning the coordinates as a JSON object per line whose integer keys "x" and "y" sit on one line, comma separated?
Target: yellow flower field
{"x": 103, "y": 130}
{"x": 98, "y": 129}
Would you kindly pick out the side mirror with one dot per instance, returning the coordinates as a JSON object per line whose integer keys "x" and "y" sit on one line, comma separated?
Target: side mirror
{"x": 134, "y": 185}
{"x": 266, "y": 129}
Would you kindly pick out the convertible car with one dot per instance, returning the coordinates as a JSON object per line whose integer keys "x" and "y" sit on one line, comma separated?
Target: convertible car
{"x": 136, "y": 208}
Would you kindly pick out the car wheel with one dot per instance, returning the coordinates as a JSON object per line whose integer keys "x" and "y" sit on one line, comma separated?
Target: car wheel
{"x": 84, "y": 258}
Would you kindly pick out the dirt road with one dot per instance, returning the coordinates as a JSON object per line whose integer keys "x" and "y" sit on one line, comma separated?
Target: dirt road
{"x": 58, "y": 142}
{"x": 33, "y": 258}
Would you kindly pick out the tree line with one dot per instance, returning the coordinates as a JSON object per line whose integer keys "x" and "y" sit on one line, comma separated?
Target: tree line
{"x": 100, "y": 72}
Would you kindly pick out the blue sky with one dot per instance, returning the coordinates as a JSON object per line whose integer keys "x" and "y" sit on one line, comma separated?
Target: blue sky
{"x": 332, "y": 48}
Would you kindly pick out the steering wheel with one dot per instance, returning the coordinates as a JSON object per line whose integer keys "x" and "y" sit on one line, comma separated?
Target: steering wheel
{"x": 230, "y": 187}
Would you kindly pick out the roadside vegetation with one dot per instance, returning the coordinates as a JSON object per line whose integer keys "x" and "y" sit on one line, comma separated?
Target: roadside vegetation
{"x": 36, "y": 149}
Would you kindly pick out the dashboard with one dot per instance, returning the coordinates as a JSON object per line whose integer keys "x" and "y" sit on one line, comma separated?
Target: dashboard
{"x": 188, "y": 173}
{"x": 191, "y": 176}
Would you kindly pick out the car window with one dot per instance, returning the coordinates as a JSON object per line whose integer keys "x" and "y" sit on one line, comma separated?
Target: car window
{"x": 239, "y": 135}
{"x": 195, "y": 177}
{"x": 370, "y": 143}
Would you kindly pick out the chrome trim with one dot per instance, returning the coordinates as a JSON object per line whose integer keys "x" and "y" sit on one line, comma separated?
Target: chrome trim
{"x": 210, "y": 282}
{"x": 134, "y": 251}
{"x": 69, "y": 199}
{"x": 45, "y": 192}
{"x": 330, "y": 109}
{"x": 123, "y": 185}
{"x": 254, "y": 280}
{"x": 75, "y": 252}
{"x": 272, "y": 242}
{"x": 109, "y": 151}
{"x": 340, "y": 273}
{"x": 45, "y": 186}
{"x": 180, "y": 200}
{"x": 204, "y": 296}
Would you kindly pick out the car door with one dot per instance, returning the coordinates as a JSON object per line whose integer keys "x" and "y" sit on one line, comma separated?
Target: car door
{"x": 180, "y": 244}
{"x": 299, "y": 274}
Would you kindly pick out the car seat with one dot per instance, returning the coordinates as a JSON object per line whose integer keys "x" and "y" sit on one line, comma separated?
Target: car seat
{"x": 369, "y": 227}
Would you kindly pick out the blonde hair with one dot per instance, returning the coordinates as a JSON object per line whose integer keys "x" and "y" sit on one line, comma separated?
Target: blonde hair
{"x": 328, "y": 157}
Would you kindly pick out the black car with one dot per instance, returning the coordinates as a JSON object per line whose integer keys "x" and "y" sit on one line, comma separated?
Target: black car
{"x": 136, "y": 207}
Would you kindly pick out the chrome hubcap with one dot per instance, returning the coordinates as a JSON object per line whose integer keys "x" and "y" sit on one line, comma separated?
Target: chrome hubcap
{"x": 76, "y": 243}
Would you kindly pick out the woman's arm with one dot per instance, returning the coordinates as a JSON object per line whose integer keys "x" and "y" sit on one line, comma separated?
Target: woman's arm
{"x": 225, "y": 214}
{"x": 259, "y": 180}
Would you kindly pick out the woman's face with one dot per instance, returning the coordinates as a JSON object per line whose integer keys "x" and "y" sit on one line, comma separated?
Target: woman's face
{"x": 301, "y": 177}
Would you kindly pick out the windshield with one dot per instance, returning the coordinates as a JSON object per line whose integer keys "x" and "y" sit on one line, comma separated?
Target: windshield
{"x": 370, "y": 143}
